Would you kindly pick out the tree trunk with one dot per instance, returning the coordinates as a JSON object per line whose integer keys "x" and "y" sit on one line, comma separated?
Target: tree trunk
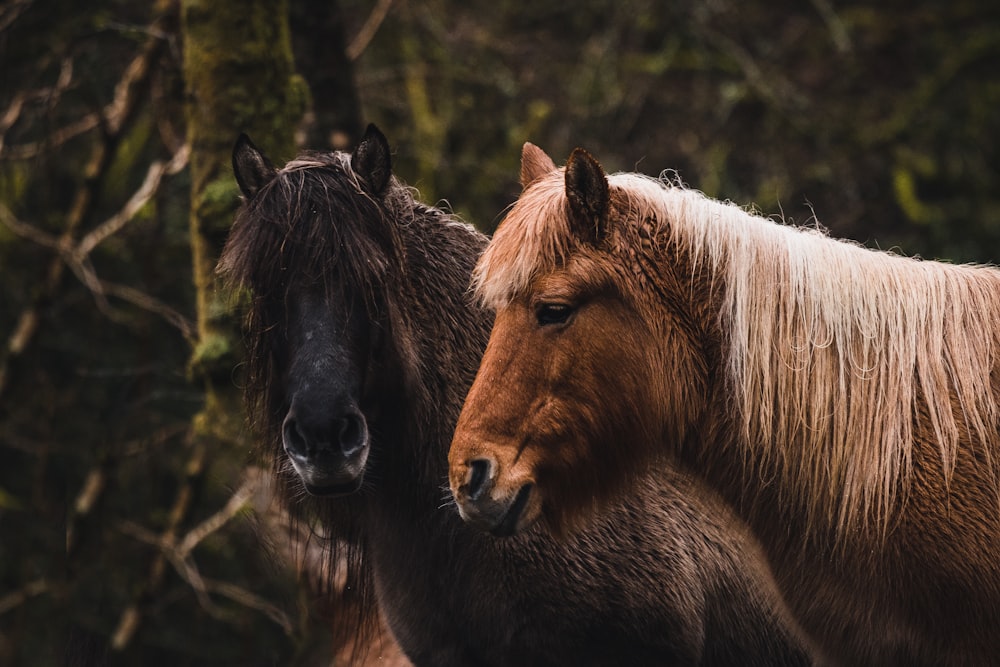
{"x": 320, "y": 49}
{"x": 239, "y": 77}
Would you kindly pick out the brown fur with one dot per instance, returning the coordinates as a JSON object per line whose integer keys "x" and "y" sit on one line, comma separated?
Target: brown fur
{"x": 846, "y": 402}
{"x": 666, "y": 576}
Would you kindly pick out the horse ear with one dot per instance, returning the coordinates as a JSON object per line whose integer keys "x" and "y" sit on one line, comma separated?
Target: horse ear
{"x": 252, "y": 168}
{"x": 371, "y": 161}
{"x": 535, "y": 164}
{"x": 588, "y": 196}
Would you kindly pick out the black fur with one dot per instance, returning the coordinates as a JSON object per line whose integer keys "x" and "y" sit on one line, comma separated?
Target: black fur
{"x": 667, "y": 577}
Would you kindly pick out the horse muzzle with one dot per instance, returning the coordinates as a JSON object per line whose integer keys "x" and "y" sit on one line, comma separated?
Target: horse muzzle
{"x": 328, "y": 453}
{"x": 484, "y": 503}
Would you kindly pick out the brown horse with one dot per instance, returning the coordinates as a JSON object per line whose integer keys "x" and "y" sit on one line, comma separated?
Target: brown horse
{"x": 363, "y": 344}
{"x": 846, "y": 402}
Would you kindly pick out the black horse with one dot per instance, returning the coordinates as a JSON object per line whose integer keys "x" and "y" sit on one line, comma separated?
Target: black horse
{"x": 362, "y": 343}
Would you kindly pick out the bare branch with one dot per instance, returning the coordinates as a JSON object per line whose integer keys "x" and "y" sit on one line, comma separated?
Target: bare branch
{"x": 146, "y": 191}
{"x": 777, "y": 90}
{"x": 168, "y": 547}
{"x": 179, "y": 555}
{"x": 23, "y": 594}
{"x": 131, "y": 617}
{"x": 11, "y": 11}
{"x": 127, "y": 625}
{"x": 26, "y": 231}
{"x": 368, "y": 30}
{"x": 53, "y": 140}
{"x": 150, "y": 303}
{"x": 132, "y": 529}
{"x": 116, "y": 112}
{"x": 77, "y": 258}
{"x": 10, "y": 116}
{"x": 93, "y": 486}
{"x": 124, "y": 106}
{"x": 251, "y": 601}
{"x": 188, "y": 571}
{"x": 838, "y": 31}
{"x": 51, "y": 95}
{"x": 237, "y": 502}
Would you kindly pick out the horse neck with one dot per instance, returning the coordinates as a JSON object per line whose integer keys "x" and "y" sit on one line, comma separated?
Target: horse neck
{"x": 439, "y": 336}
{"x": 736, "y": 452}
{"x": 684, "y": 290}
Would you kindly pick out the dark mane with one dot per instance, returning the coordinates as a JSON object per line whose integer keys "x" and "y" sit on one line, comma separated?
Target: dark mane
{"x": 363, "y": 340}
{"x": 314, "y": 227}
{"x": 312, "y": 221}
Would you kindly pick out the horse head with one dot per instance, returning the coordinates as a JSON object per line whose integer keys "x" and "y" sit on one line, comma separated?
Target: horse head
{"x": 555, "y": 401}
{"x": 314, "y": 322}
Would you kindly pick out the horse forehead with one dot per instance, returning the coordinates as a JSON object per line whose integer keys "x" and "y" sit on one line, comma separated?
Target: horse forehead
{"x": 565, "y": 279}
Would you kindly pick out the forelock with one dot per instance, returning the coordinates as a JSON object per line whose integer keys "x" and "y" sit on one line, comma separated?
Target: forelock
{"x": 533, "y": 239}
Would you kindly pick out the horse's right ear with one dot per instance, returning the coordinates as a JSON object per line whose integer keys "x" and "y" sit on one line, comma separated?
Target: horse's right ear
{"x": 372, "y": 162}
{"x": 535, "y": 164}
{"x": 252, "y": 168}
{"x": 588, "y": 196}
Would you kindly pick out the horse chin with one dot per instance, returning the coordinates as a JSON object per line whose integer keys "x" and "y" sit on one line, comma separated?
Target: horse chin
{"x": 503, "y": 517}
{"x": 519, "y": 514}
{"x": 340, "y": 480}
{"x": 324, "y": 490}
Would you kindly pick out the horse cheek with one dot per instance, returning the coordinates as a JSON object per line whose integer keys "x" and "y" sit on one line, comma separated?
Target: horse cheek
{"x": 495, "y": 415}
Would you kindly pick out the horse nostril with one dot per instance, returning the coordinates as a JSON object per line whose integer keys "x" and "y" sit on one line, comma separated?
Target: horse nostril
{"x": 293, "y": 439}
{"x": 353, "y": 434}
{"x": 480, "y": 477}
{"x": 315, "y": 435}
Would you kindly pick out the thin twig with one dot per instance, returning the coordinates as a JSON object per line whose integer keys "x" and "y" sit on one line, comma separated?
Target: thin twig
{"x": 179, "y": 555}
{"x": 140, "y": 299}
{"x": 24, "y": 230}
{"x": 23, "y": 594}
{"x": 146, "y": 191}
{"x": 54, "y": 139}
{"x": 236, "y": 503}
{"x": 77, "y": 256}
{"x": 51, "y": 95}
{"x": 124, "y": 106}
{"x": 131, "y": 618}
{"x": 368, "y": 30}
{"x": 838, "y": 31}
{"x": 251, "y": 601}
{"x": 11, "y": 12}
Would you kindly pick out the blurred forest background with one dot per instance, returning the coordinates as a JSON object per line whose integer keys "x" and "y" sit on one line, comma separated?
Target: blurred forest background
{"x": 134, "y": 526}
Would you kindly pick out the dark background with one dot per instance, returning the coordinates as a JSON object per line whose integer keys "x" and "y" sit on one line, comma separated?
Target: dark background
{"x": 879, "y": 119}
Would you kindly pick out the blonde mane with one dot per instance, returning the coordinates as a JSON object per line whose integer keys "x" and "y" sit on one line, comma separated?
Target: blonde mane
{"x": 837, "y": 354}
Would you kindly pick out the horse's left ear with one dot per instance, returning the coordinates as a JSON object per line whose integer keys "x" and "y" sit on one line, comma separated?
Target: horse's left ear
{"x": 588, "y": 196}
{"x": 251, "y": 167}
{"x": 535, "y": 163}
{"x": 371, "y": 161}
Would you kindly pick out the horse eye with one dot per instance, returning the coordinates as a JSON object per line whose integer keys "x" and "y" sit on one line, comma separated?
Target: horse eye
{"x": 553, "y": 313}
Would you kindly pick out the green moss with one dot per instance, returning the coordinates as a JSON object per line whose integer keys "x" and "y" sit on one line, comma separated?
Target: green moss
{"x": 239, "y": 77}
{"x": 210, "y": 348}
{"x": 9, "y": 502}
{"x": 713, "y": 168}
{"x": 13, "y": 184}
{"x": 905, "y": 189}
{"x": 128, "y": 168}
{"x": 214, "y": 356}
{"x": 218, "y": 201}
{"x": 907, "y": 171}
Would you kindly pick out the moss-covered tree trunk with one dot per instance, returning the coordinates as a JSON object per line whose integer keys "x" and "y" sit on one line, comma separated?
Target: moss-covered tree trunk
{"x": 239, "y": 77}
